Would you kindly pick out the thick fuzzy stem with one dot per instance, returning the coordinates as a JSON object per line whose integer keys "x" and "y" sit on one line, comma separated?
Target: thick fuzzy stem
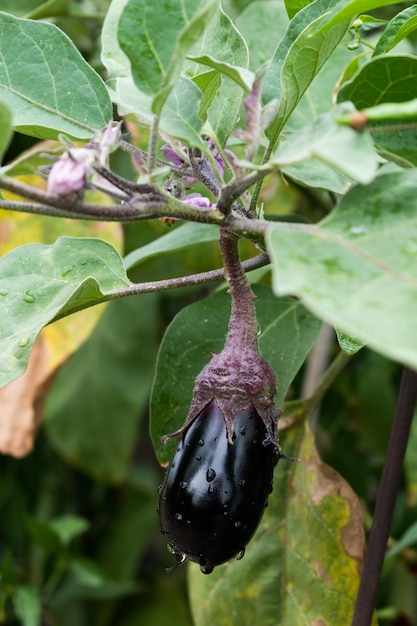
{"x": 242, "y": 334}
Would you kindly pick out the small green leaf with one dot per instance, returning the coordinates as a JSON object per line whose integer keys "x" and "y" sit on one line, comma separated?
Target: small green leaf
{"x": 43, "y": 535}
{"x": 286, "y": 334}
{"x": 28, "y": 605}
{"x": 391, "y": 79}
{"x": 40, "y": 283}
{"x": 94, "y": 408}
{"x": 240, "y": 75}
{"x": 67, "y": 527}
{"x": 46, "y": 82}
{"x": 357, "y": 271}
{"x": 157, "y": 53}
{"x": 181, "y": 237}
{"x": 302, "y": 52}
{"x": 347, "y": 9}
{"x": 351, "y": 153}
{"x": 347, "y": 343}
{"x": 6, "y": 120}
{"x": 408, "y": 539}
{"x": 401, "y": 25}
{"x": 294, "y": 6}
{"x": 410, "y": 465}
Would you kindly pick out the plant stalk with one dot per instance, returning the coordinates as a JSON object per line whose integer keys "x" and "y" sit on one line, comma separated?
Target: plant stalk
{"x": 386, "y": 498}
{"x": 242, "y": 332}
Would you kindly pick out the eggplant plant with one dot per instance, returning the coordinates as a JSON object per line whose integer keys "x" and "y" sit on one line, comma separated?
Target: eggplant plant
{"x": 235, "y": 185}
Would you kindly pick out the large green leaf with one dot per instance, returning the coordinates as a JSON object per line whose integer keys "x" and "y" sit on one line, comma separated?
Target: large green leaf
{"x": 181, "y": 237}
{"x": 347, "y": 9}
{"x": 223, "y": 44}
{"x": 157, "y": 40}
{"x": 387, "y": 79}
{"x": 262, "y": 25}
{"x": 5, "y": 128}
{"x": 286, "y": 334}
{"x": 358, "y": 269}
{"x": 298, "y": 59}
{"x": 338, "y": 147}
{"x": 40, "y": 283}
{"x": 303, "y": 564}
{"x": 46, "y": 82}
{"x": 93, "y": 409}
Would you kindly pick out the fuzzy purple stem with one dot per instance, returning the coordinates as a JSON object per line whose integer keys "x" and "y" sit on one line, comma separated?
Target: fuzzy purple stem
{"x": 242, "y": 333}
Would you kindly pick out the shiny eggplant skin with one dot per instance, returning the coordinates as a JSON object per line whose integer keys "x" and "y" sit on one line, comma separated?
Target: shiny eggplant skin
{"x": 214, "y": 493}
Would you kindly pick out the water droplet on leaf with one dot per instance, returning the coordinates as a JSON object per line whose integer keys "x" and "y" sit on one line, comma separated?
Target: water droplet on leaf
{"x": 29, "y": 297}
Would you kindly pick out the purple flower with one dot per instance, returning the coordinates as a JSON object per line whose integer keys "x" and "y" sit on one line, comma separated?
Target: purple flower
{"x": 67, "y": 176}
{"x": 196, "y": 199}
{"x": 170, "y": 155}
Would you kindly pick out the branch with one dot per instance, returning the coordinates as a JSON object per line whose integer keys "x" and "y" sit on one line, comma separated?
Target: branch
{"x": 387, "y": 495}
{"x": 173, "y": 283}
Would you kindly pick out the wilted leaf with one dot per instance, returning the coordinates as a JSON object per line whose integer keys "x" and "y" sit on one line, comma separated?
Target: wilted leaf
{"x": 303, "y": 564}
{"x": 46, "y": 82}
{"x": 18, "y": 418}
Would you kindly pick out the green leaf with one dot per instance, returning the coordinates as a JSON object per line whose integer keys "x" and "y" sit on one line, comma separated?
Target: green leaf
{"x": 5, "y": 128}
{"x": 43, "y": 535}
{"x": 27, "y": 605}
{"x": 357, "y": 271}
{"x": 222, "y": 42}
{"x": 294, "y": 6}
{"x": 177, "y": 239}
{"x": 287, "y": 332}
{"x": 180, "y": 116}
{"x": 348, "y": 344}
{"x": 408, "y": 539}
{"x": 303, "y": 564}
{"x": 315, "y": 173}
{"x": 46, "y": 82}
{"x": 40, "y": 283}
{"x": 94, "y": 408}
{"x": 67, "y": 527}
{"x": 319, "y": 97}
{"x": 157, "y": 41}
{"x": 301, "y": 54}
{"x": 401, "y": 25}
{"x": 410, "y": 465}
{"x": 262, "y": 25}
{"x": 391, "y": 79}
{"x": 344, "y": 10}
{"x": 240, "y": 75}
{"x": 351, "y": 153}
